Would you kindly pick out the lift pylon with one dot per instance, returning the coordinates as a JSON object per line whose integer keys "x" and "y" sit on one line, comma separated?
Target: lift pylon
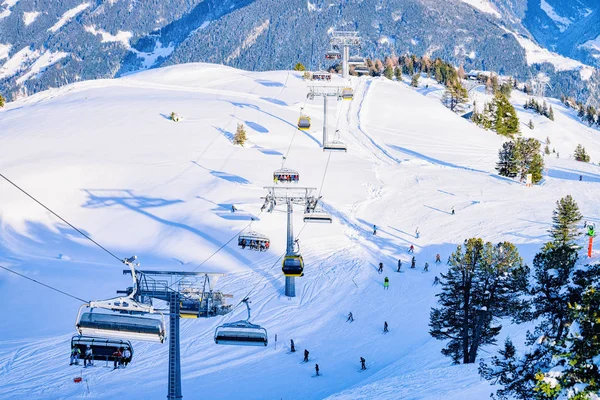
{"x": 325, "y": 91}
{"x": 345, "y": 40}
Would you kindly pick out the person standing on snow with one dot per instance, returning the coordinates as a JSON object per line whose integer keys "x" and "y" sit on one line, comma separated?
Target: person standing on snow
{"x": 380, "y": 270}
{"x": 452, "y": 210}
{"x": 305, "y": 355}
{"x": 363, "y": 363}
{"x": 399, "y": 265}
{"x": 317, "y": 369}
{"x": 417, "y": 233}
{"x": 438, "y": 259}
{"x": 292, "y": 348}
{"x": 426, "y": 266}
{"x": 411, "y": 249}
{"x": 374, "y": 229}
{"x": 350, "y": 317}
{"x": 385, "y": 327}
{"x": 413, "y": 262}
{"x": 386, "y": 283}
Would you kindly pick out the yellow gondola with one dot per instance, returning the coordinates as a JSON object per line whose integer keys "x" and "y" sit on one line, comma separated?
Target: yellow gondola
{"x": 347, "y": 93}
{"x": 293, "y": 265}
{"x": 304, "y": 123}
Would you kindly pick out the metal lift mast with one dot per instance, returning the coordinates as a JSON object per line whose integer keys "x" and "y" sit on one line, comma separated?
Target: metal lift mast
{"x": 345, "y": 40}
{"x": 289, "y": 196}
{"x": 324, "y": 91}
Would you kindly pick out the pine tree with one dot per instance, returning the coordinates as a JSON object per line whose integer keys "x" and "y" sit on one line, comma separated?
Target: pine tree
{"x": 565, "y": 218}
{"x": 590, "y": 115}
{"x": 551, "y": 114}
{"x": 240, "y": 135}
{"x": 581, "y": 154}
{"x": 174, "y": 117}
{"x": 388, "y": 72}
{"x": 547, "y": 139}
{"x": 2, "y": 101}
{"x": 455, "y": 97}
{"x": 398, "y": 73}
{"x": 530, "y": 125}
{"x": 415, "y": 80}
{"x": 507, "y": 164}
{"x": 483, "y": 283}
{"x": 526, "y": 151}
{"x": 546, "y": 150}
{"x": 536, "y": 168}
{"x": 299, "y": 67}
{"x": 505, "y": 117}
{"x": 581, "y": 112}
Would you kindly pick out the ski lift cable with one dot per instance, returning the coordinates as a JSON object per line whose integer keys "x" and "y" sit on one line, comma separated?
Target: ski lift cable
{"x": 293, "y": 137}
{"x": 62, "y": 219}
{"x": 45, "y": 285}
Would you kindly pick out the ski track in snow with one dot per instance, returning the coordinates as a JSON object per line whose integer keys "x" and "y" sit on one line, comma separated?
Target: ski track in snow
{"x": 110, "y": 161}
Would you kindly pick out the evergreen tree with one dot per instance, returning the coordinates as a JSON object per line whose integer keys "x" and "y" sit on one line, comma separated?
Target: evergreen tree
{"x": 388, "y": 72}
{"x": 536, "y": 168}
{"x": 240, "y": 135}
{"x": 398, "y": 74}
{"x": 415, "y": 80}
{"x": 565, "y": 218}
{"x": 483, "y": 283}
{"x": 299, "y": 67}
{"x": 530, "y": 125}
{"x": 174, "y": 117}
{"x": 546, "y": 150}
{"x": 507, "y": 164}
{"x": 526, "y": 151}
{"x": 581, "y": 111}
{"x": 2, "y": 101}
{"x": 547, "y": 139}
{"x": 505, "y": 121}
{"x": 581, "y": 154}
{"x": 551, "y": 114}
{"x": 455, "y": 97}
{"x": 590, "y": 115}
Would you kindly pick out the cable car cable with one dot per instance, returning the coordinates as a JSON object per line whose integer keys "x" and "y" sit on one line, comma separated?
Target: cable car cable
{"x": 45, "y": 285}
{"x": 62, "y": 219}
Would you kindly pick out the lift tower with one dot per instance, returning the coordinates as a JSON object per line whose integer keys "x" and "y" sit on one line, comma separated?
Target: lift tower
{"x": 345, "y": 40}
{"x": 325, "y": 91}
{"x": 289, "y": 196}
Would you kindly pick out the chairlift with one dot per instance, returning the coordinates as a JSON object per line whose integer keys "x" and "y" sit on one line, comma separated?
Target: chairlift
{"x": 356, "y": 60}
{"x": 286, "y": 175}
{"x": 241, "y": 332}
{"x": 335, "y": 145}
{"x": 333, "y": 54}
{"x": 304, "y": 123}
{"x": 253, "y": 241}
{"x": 121, "y": 323}
{"x": 347, "y": 93}
{"x": 317, "y": 216}
{"x": 362, "y": 70}
{"x": 103, "y": 349}
{"x": 293, "y": 265}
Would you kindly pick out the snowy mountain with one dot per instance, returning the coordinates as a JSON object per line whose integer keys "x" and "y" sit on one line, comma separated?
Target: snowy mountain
{"x": 105, "y": 156}
{"x": 52, "y": 43}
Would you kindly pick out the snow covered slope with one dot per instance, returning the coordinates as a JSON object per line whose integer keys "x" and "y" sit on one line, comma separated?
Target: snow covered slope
{"x": 105, "y": 156}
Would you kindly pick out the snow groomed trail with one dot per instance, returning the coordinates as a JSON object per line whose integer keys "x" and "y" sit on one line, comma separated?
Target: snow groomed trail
{"x": 105, "y": 156}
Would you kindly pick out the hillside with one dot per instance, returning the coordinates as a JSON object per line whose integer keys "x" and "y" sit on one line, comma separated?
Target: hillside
{"x": 104, "y": 155}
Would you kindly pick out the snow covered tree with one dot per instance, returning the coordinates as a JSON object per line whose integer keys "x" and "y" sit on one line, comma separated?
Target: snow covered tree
{"x": 299, "y": 67}
{"x": 505, "y": 120}
{"x": 482, "y": 284}
{"x": 581, "y": 154}
{"x": 507, "y": 164}
{"x": 455, "y": 97}
{"x": 240, "y": 135}
{"x": 414, "y": 82}
{"x": 566, "y": 216}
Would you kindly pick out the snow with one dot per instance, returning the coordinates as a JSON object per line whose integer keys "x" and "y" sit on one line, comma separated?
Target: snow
{"x": 18, "y": 61}
{"x": 30, "y": 17}
{"x": 151, "y": 58}
{"x": 47, "y": 59}
{"x": 483, "y": 5}
{"x": 562, "y": 22}
{"x": 104, "y": 155}
{"x": 593, "y": 44}
{"x": 68, "y": 16}
{"x": 4, "y": 50}
{"x": 7, "y": 5}
{"x": 311, "y": 6}
{"x": 122, "y": 37}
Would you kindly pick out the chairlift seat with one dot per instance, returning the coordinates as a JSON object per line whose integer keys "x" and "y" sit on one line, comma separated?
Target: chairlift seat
{"x": 286, "y": 175}
{"x": 254, "y": 241}
{"x": 356, "y": 60}
{"x": 241, "y": 333}
{"x": 293, "y": 265}
{"x": 362, "y": 70}
{"x": 317, "y": 216}
{"x": 335, "y": 146}
{"x": 102, "y": 348}
{"x": 121, "y": 326}
{"x": 333, "y": 55}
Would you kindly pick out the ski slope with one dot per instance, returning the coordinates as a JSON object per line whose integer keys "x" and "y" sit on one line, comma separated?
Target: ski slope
{"x": 104, "y": 155}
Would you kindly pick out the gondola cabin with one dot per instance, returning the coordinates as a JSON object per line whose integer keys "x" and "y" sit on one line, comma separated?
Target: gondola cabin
{"x": 254, "y": 241}
{"x": 103, "y": 349}
{"x": 336, "y": 145}
{"x": 286, "y": 176}
{"x": 293, "y": 265}
{"x": 304, "y": 123}
{"x": 121, "y": 326}
{"x": 241, "y": 333}
{"x": 347, "y": 94}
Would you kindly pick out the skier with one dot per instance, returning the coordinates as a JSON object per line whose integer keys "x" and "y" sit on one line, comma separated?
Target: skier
{"x": 386, "y": 283}
{"x": 580, "y": 177}
{"x": 88, "y": 356}
{"x": 233, "y": 209}
{"x": 417, "y": 233}
{"x": 411, "y": 249}
{"x": 452, "y": 210}
{"x": 585, "y": 224}
{"x": 126, "y": 357}
{"x": 399, "y": 264}
{"x": 437, "y": 259}
{"x": 426, "y": 266}
{"x": 436, "y": 281}
{"x": 292, "y": 347}
{"x": 305, "y": 355}
{"x": 374, "y": 229}
{"x": 413, "y": 262}
{"x": 317, "y": 369}
{"x": 350, "y": 317}
{"x": 362, "y": 363}
{"x": 118, "y": 358}
{"x": 380, "y": 270}
{"x": 385, "y": 327}
{"x": 75, "y": 352}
